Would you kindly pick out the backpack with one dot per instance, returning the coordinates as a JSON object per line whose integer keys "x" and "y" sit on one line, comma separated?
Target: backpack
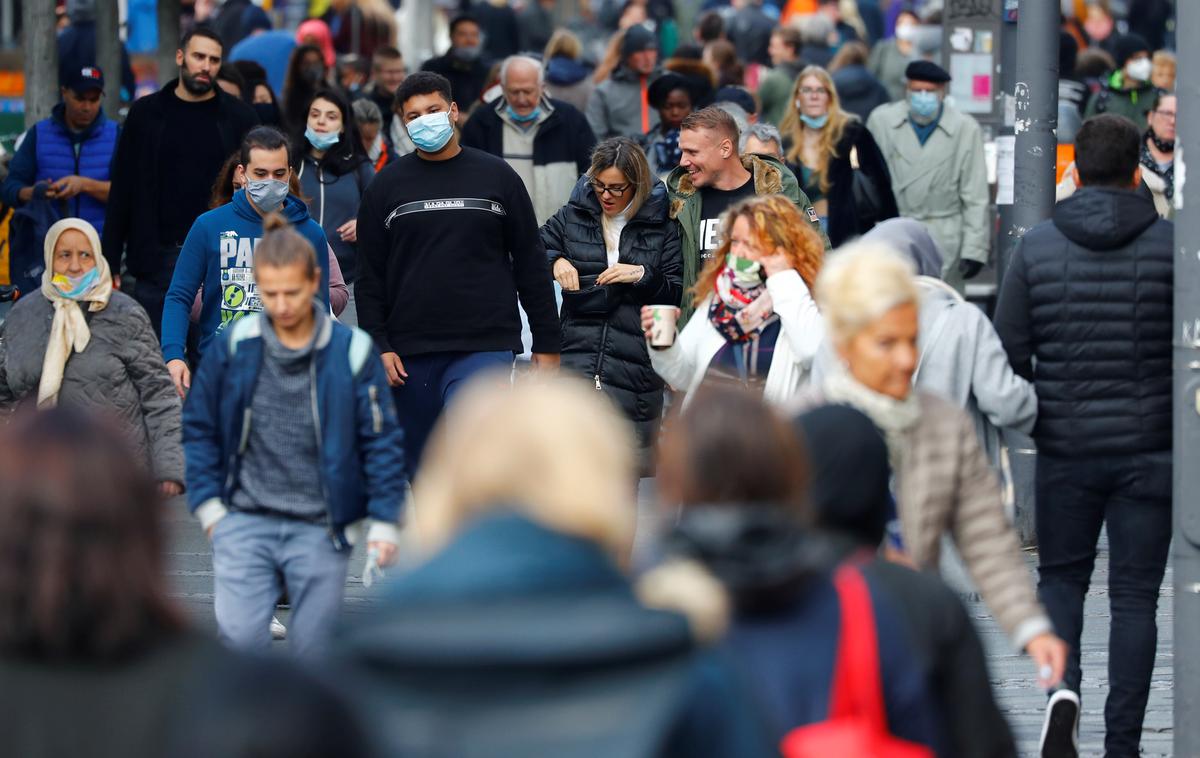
{"x": 857, "y": 724}
{"x": 26, "y": 242}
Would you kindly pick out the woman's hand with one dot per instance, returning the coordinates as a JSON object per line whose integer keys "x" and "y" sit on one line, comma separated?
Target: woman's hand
{"x": 566, "y": 275}
{"x": 349, "y": 231}
{"x": 1049, "y": 653}
{"x": 168, "y": 488}
{"x": 773, "y": 264}
{"x": 621, "y": 273}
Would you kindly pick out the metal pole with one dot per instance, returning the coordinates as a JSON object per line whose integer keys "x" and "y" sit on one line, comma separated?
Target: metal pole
{"x": 168, "y": 40}
{"x": 1036, "y": 95}
{"x": 108, "y": 53}
{"x": 1186, "y": 545}
{"x": 41, "y": 60}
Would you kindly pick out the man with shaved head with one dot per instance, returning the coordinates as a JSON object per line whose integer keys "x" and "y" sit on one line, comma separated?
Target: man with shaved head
{"x": 547, "y": 142}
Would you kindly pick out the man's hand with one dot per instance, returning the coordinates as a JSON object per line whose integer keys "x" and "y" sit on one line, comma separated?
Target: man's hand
{"x": 566, "y": 275}
{"x": 349, "y": 231}
{"x": 167, "y": 488}
{"x": 385, "y": 550}
{"x": 1049, "y": 654}
{"x": 180, "y": 375}
{"x": 68, "y": 187}
{"x": 394, "y": 368}
{"x": 969, "y": 268}
{"x": 621, "y": 273}
{"x": 545, "y": 361}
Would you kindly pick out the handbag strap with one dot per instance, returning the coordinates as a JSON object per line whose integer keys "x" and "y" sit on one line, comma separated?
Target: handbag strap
{"x": 857, "y": 686}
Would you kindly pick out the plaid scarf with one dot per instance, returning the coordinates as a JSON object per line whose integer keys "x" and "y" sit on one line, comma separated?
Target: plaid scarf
{"x": 741, "y": 306}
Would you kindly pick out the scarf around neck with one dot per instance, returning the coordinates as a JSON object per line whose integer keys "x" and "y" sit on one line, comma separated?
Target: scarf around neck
{"x": 739, "y": 309}
{"x": 893, "y": 417}
{"x": 69, "y": 329}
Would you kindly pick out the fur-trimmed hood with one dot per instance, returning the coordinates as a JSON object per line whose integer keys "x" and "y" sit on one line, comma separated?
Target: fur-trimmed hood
{"x": 767, "y": 173}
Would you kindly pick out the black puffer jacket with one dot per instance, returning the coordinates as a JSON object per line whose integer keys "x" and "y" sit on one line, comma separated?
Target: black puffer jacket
{"x": 1089, "y": 296}
{"x": 601, "y": 326}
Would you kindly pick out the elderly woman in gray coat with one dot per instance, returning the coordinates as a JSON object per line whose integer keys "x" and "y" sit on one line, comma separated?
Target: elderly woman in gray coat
{"x": 77, "y": 341}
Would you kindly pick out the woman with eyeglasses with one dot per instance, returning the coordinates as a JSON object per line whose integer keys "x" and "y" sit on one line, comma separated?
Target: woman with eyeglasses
{"x": 824, "y": 146}
{"x": 613, "y": 248}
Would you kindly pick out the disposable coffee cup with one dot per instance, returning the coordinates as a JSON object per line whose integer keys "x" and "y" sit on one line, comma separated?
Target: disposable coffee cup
{"x": 662, "y": 332}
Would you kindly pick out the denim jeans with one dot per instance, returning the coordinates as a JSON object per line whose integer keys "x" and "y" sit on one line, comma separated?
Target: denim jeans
{"x": 433, "y": 379}
{"x": 254, "y": 557}
{"x": 1132, "y": 495}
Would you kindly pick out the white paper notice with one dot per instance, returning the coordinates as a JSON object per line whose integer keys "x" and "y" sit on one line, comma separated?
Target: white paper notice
{"x": 1006, "y": 161}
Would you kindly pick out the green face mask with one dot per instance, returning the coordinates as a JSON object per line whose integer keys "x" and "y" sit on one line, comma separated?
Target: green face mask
{"x": 746, "y": 272}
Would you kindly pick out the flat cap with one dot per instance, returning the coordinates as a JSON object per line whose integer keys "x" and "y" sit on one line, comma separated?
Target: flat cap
{"x": 926, "y": 71}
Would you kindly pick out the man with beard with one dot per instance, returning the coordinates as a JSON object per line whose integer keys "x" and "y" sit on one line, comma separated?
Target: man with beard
{"x": 167, "y": 158}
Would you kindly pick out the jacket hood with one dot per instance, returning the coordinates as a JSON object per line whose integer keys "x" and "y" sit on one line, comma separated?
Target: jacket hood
{"x": 910, "y": 238}
{"x": 59, "y": 114}
{"x": 510, "y": 593}
{"x": 653, "y": 210}
{"x": 767, "y": 172}
{"x": 565, "y": 72}
{"x": 294, "y": 209}
{"x": 1100, "y": 218}
{"x": 854, "y": 81}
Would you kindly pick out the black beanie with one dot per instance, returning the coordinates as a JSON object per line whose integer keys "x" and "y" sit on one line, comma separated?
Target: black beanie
{"x": 1125, "y": 46}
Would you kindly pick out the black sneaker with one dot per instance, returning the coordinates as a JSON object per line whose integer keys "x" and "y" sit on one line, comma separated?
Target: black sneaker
{"x": 1060, "y": 730}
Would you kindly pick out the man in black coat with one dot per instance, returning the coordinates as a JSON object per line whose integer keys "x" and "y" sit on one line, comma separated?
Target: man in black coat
{"x": 464, "y": 64}
{"x": 172, "y": 146}
{"x": 1085, "y": 312}
{"x": 547, "y": 142}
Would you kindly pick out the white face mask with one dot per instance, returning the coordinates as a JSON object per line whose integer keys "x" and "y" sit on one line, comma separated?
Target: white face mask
{"x": 1140, "y": 69}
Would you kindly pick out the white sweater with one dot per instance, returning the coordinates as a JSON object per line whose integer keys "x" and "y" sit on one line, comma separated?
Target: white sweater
{"x": 802, "y": 330}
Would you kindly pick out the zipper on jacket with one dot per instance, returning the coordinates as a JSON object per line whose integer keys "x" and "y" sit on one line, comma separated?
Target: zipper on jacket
{"x": 376, "y": 413}
{"x": 600, "y": 356}
{"x": 316, "y": 412}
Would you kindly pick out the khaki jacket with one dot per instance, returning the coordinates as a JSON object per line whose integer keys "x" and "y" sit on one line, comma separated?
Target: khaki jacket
{"x": 942, "y": 184}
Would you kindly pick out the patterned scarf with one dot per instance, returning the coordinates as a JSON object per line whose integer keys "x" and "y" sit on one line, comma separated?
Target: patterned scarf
{"x": 1150, "y": 164}
{"x": 742, "y": 306}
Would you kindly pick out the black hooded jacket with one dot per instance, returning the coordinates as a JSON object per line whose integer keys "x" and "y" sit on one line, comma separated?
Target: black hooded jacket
{"x": 1089, "y": 296}
{"x": 601, "y": 326}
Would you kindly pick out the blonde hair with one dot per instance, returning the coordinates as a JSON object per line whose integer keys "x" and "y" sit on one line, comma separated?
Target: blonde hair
{"x": 775, "y": 224}
{"x": 860, "y": 283}
{"x": 563, "y": 43}
{"x": 554, "y": 451}
{"x": 793, "y": 128}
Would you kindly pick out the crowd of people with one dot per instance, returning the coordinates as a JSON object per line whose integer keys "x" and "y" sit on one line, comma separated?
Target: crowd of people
{"x": 293, "y": 285}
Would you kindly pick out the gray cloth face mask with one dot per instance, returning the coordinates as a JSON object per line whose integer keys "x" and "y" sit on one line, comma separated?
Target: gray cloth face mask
{"x": 267, "y": 194}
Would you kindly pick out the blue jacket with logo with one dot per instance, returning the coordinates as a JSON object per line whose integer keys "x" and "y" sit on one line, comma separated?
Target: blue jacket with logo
{"x": 219, "y": 254}
{"x": 360, "y": 451}
{"x": 51, "y": 151}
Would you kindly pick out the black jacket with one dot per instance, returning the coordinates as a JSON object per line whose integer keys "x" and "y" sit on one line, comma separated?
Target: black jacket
{"x": 564, "y": 137}
{"x": 1089, "y": 295}
{"x": 466, "y": 77}
{"x": 859, "y": 91}
{"x": 844, "y": 220}
{"x": 601, "y": 326}
{"x": 131, "y": 224}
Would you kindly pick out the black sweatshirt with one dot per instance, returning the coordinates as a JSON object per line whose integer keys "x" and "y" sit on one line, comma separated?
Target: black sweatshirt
{"x": 445, "y": 248}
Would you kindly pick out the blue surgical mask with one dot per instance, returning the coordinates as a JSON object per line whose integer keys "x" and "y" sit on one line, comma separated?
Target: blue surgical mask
{"x": 267, "y": 194}
{"x": 430, "y": 132}
{"x": 815, "y": 122}
{"x": 923, "y": 106}
{"x": 75, "y": 287}
{"x": 532, "y": 115}
{"x": 321, "y": 141}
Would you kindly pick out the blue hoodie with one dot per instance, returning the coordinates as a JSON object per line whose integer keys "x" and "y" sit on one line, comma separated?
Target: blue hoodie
{"x": 219, "y": 253}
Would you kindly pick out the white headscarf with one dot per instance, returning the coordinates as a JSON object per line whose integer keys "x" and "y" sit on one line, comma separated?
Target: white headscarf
{"x": 69, "y": 329}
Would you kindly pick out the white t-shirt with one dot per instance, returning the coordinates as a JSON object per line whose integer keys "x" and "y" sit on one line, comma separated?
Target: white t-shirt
{"x": 612, "y": 227}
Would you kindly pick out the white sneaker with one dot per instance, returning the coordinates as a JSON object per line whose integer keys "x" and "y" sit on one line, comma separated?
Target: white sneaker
{"x": 1060, "y": 730}
{"x": 278, "y": 630}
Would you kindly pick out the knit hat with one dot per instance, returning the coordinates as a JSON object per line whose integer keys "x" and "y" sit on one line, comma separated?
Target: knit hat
{"x": 1125, "y": 46}
{"x": 637, "y": 39}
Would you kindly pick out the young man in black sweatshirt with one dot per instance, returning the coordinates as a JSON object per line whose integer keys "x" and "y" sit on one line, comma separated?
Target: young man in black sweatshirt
{"x": 448, "y": 241}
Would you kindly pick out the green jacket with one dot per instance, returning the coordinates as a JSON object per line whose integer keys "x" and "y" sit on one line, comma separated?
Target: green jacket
{"x": 771, "y": 177}
{"x": 775, "y": 92}
{"x": 1115, "y": 98}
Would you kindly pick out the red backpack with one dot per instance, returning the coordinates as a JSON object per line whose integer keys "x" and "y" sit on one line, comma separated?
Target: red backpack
{"x": 857, "y": 724}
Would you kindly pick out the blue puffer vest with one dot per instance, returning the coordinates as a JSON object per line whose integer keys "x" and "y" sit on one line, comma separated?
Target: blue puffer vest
{"x": 56, "y": 158}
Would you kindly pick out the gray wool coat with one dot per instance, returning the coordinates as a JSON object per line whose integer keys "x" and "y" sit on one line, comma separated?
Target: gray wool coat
{"x": 121, "y": 374}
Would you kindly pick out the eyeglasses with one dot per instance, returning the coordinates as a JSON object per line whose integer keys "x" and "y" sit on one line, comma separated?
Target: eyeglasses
{"x": 1166, "y": 114}
{"x": 617, "y": 191}
{"x": 807, "y": 91}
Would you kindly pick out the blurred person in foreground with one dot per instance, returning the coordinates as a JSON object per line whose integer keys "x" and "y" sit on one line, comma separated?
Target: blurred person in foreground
{"x": 520, "y": 634}
{"x": 851, "y": 502}
{"x": 78, "y": 342}
{"x": 293, "y": 445}
{"x": 825, "y": 146}
{"x": 942, "y": 481}
{"x": 1085, "y": 313}
{"x": 756, "y": 322}
{"x": 613, "y": 249}
{"x": 961, "y": 358}
{"x": 95, "y": 657}
{"x": 739, "y": 476}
